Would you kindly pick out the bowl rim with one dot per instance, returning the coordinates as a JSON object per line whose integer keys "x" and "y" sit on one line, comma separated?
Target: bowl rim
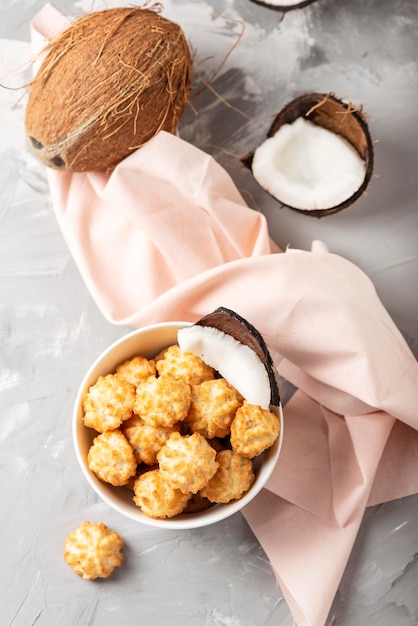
{"x": 106, "y": 492}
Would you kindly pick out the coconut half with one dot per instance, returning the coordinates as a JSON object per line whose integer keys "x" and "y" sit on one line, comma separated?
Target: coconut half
{"x": 284, "y": 5}
{"x": 232, "y": 346}
{"x": 317, "y": 157}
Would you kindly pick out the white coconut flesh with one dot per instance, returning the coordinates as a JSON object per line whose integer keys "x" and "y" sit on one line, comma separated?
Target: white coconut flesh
{"x": 308, "y": 167}
{"x": 234, "y": 361}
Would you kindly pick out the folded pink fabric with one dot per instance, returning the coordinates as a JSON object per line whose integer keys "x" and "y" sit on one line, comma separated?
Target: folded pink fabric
{"x": 167, "y": 236}
{"x": 187, "y": 224}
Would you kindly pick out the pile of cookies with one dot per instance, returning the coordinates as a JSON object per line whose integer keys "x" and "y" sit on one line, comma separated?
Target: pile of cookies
{"x": 175, "y": 432}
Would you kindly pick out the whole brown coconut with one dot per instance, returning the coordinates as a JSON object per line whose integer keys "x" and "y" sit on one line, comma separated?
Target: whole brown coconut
{"x": 106, "y": 86}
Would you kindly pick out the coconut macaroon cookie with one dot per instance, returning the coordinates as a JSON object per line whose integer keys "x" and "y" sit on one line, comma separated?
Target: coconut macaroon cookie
{"x": 145, "y": 439}
{"x": 253, "y": 430}
{"x": 93, "y": 551}
{"x": 162, "y": 401}
{"x": 136, "y": 370}
{"x": 233, "y": 478}
{"x": 108, "y": 403}
{"x": 111, "y": 458}
{"x": 184, "y": 365}
{"x": 188, "y": 462}
{"x": 157, "y": 497}
{"x": 213, "y": 407}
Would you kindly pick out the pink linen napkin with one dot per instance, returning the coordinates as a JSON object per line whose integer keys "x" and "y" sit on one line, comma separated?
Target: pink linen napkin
{"x": 167, "y": 236}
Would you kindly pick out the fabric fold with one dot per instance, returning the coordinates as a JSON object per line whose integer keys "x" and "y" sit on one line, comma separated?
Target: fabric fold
{"x": 164, "y": 242}
{"x": 308, "y": 554}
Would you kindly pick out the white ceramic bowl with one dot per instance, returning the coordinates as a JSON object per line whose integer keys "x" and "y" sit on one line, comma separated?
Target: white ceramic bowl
{"x": 148, "y": 341}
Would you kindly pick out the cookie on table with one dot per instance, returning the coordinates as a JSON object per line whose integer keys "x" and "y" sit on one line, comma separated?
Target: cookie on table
{"x": 93, "y": 551}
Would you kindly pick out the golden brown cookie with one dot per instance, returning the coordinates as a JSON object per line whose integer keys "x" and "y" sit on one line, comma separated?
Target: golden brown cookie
{"x": 136, "y": 370}
{"x": 253, "y": 430}
{"x": 146, "y": 440}
{"x": 156, "y": 497}
{"x": 184, "y": 365}
{"x": 108, "y": 403}
{"x": 111, "y": 458}
{"x": 233, "y": 478}
{"x": 188, "y": 462}
{"x": 213, "y": 407}
{"x": 162, "y": 401}
{"x": 93, "y": 551}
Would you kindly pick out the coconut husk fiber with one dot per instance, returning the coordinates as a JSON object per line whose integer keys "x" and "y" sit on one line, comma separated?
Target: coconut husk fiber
{"x": 106, "y": 85}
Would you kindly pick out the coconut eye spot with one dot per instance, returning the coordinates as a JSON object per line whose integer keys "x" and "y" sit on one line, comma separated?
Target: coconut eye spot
{"x": 309, "y": 167}
{"x": 58, "y": 161}
{"x": 35, "y": 143}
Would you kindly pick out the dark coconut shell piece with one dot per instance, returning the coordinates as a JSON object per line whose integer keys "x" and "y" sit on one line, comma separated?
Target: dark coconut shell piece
{"x": 334, "y": 115}
{"x": 283, "y": 8}
{"x": 241, "y": 330}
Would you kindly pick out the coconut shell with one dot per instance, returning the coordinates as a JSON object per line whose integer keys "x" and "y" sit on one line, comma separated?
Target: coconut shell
{"x": 284, "y": 7}
{"x": 233, "y": 324}
{"x": 334, "y": 115}
{"x": 106, "y": 86}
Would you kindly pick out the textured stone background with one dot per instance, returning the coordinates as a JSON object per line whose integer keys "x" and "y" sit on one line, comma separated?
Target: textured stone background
{"x": 50, "y": 330}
